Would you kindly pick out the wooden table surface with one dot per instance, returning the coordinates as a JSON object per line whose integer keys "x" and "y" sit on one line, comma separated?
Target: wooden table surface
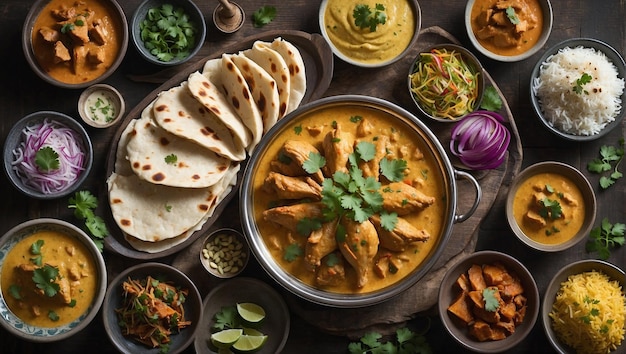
{"x": 22, "y": 92}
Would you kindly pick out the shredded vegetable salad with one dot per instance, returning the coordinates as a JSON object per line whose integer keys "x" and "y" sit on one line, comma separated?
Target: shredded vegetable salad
{"x": 66, "y": 144}
{"x": 444, "y": 84}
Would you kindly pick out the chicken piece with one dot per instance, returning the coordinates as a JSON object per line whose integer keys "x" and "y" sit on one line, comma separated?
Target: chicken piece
{"x": 494, "y": 274}
{"x": 371, "y": 168}
{"x": 507, "y": 327}
{"x": 519, "y": 315}
{"x": 383, "y": 265}
{"x": 364, "y": 128}
{"x": 287, "y": 187}
{"x": 462, "y": 282}
{"x": 65, "y": 290}
{"x": 475, "y": 273}
{"x": 476, "y": 298}
{"x": 292, "y": 156}
{"x": 319, "y": 244}
{"x": 99, "y": 32}
{"x": 96, "y": 55}
{"x": 511, "y": 287}
{"x": 481, "y": 330}
{"x": 64, "y": 13}
{"x": 79, "y": 55}
{"x": 49, "y": 35}
{"x": 499, "y": 18}
{"x": 289, "y": 216}
{"x": 403, "y": 234}
{"x": 403, "y": 199}
{"x": 485, "y": 315}
{"x": 568, "y": 199}
{"x": 315, "y": 130}
{"x": 533, "y": 219}
{"x": 61, "y": 53}
{"x": 461, "y": 309}
{"x": 78, "y": 29}
{"x": 338, "y": 145}
{"x": 331, "y": 271}
{"x": 508, "y": 310}
{"x": 359, "y": 247}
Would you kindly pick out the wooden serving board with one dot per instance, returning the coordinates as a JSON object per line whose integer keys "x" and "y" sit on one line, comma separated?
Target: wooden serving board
{"x": 390, "y": 83}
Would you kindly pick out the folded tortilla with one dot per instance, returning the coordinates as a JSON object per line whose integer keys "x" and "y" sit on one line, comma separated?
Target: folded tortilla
{"x": 297, "y": 74}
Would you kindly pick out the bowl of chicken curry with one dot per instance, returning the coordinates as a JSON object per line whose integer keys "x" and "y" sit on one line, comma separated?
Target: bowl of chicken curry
{"x": 349, "y": 200}
{"x": 508, "y": 30}
{"x": 74, "y": 44}
{"x": 53, "y": 280}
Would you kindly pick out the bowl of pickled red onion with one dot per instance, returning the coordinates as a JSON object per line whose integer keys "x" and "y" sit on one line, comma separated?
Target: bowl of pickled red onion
{"x": 47, "y": 155}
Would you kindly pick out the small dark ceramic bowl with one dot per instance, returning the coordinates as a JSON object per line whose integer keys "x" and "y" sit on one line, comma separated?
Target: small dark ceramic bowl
{"x": 225, "y": 253}
{"x": 448, "y": 292}
{"x": 611, "y": 54}
{"x": 27, "y": 44}
{"x": 161, "y": 272}
{"x": 15, "y": 137}
{"x": 472, "y": 62}
{"x": 13, "y": 324}
{"x": 589, "y": 199}
{"x": 195, "y": 16}
{"x": 613, "y": 272}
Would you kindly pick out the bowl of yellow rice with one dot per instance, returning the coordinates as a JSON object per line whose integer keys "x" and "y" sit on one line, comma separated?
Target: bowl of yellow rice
{"x": 584, "y": 308}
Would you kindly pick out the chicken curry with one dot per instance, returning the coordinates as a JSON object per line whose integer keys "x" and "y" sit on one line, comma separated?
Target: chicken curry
{"x": 49, "y": 279}
{"x": 348, "y": 199}
{"x": 549, "y": 208}
{"x": 507, "y": 27}
{"x": 76, "y": 41}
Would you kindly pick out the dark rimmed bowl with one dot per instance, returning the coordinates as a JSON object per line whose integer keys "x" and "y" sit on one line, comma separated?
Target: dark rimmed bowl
{"x": 612, "y": 55}
{"x": 195, "y": 16}
{"x": 448, "y": 293}
{"x": 14, "y": 138}
{"x": 163, "y": 272}
{"x": 27, "y": 44}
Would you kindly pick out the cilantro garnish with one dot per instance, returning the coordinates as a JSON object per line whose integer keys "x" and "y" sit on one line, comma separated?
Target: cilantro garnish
{"x": 308, "y": 225}
{"x": 292, "y": 252}
{"x": 297, "y": 129}
{"x": 44, "y": 278}
{"x": 511, "y": 15}
{"x": 366, "y": 150}
{"x": 393, "y": 170}
{"x": 226, "y": 318}
{"x": 406, "y": 342}
{"x": 53, "y": 316}
{"x": 491, "y": 100}
{"x": 47, "y": 159}
{"x": 365, "y": 18}
{"x": 168, "y": 33}
{"x": 491, "y": 302}
{"x": 550, "y": 209}
{"x": 14, "y": 290}
{"x": 263, "y": 16}
{"x": 171, "y": 159}
{"x": 605, "y": 237}
{"x": 35, "y": 250}
{"x": 314, "y": 163}
{"x": 388, "y": 220}
{"x": 583, "y": 80}
{"x": 68, "y": 27}
{"x": 608, "y": 156}
{"x": 84, "y": 204}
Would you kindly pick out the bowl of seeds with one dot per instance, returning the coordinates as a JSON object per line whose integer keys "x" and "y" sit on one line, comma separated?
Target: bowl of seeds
{"x": 225, "y": 253}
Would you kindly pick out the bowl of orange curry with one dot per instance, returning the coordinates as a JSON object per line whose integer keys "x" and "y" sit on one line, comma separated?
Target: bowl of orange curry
{"x": 53, "y": 280}
{"x": 508, "y": 31}
{"x": 349, "y": 201}
{"x": 551, "y": 206}
{"x": 75, "y": 44}
{"x": 488, "y": 302}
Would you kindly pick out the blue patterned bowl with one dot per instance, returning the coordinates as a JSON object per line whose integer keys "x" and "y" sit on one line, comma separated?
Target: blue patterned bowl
{"x": 15, "y": 325}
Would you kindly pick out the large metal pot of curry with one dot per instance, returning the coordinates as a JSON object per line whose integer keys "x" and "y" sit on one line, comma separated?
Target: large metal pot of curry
{"x": 349, "y": 200}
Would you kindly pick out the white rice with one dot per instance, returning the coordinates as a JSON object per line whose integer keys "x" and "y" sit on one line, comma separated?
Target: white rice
{"x": 579, "y": 114}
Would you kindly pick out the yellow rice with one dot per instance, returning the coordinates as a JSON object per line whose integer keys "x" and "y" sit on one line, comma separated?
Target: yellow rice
{"x": 588, "y": 313}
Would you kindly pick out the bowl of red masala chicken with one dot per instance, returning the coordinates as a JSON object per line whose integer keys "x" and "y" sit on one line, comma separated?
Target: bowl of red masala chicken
{"x": 349, "y": 200}
{"x": 488, "y": 302}
{"x": 75, "y": 44}
{"x": 508, "y": 30}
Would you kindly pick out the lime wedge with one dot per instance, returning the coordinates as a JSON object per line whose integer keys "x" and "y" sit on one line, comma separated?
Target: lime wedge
{"x": 251, "y": 313}
{"x": 226, "y": 338}
{"x": 249, "y": 344}
{"x": 252, "y": 332}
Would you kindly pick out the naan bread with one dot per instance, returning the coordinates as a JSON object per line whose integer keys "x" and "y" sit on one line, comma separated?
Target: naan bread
{"x": 295, "y": 63}
{"x": 150, "y": 145}
{"x": 179, "y": 113}
{"x": 275, "y": 65}
{"x": 220, "y": 189}
{"x": 122, "y": 166}
{"x": 263, "y": 88}
{"x": 209, "y": 94}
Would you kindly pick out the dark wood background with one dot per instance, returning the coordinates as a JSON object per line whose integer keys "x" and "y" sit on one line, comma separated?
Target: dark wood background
{"x": 22, "y": 92}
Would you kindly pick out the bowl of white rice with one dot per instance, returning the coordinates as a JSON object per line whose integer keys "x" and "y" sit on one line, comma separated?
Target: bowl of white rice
{"x": 584, "y": 308}
{"x": 577, "y": 89}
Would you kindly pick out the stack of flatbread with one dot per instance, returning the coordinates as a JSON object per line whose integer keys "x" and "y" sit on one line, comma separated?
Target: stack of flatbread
{"x": 179, "y": 159}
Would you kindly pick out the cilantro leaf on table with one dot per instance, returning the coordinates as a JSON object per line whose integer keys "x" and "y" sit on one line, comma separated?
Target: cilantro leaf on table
{"x": 263, "y": 16}
{"x": 609, "y": 155}
{"x": 47, "y": 159}
{"x": 491, "y": 100}
{"x": 604, "y": 238}
{"x": 406, "y": 342}
{"x": 84, "y": 204}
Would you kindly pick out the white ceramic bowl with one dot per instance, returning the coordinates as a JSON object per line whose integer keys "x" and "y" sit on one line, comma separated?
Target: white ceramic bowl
{"x": 14, "y": 324}
{"x": 101, "y": 106}
{"x": 546, "y": 8}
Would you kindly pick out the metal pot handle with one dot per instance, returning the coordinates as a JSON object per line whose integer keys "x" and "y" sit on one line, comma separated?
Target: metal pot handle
{"x": 469, "y": 177}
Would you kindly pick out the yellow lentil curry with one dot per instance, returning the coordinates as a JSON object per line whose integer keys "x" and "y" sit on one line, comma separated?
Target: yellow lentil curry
{"x": 37, "y": 257}
{"x": 507, "y": 27}
{"x": 386, "y": 42}
{"x": 549, "y": 208}
{"x": 76, "y": 41}
{"x": 368, "y": 159}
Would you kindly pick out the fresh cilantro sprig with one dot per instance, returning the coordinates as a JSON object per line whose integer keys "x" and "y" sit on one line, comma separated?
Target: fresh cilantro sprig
{"x": 583, "y": 80}
{"x": 550, "y": 209}
{"x": 491, "y": 100}
{"x": 406, "y": 342}
{"x": 47, "y": 159}
{"x": 84, "y": 204}
{"x": 491, "y": 302}
{"x": 168, "y": 33}
{"x": 226, "y": 318}
{"x": 511, "y": 15}
{"x": 604, "y": 238}
{"x": 609, "y": 155}
{"x": 44, "y": 278}
{"x": 364, "y": 17}
{"x": 263, "y": 16}
{"x": 292, "y": 252}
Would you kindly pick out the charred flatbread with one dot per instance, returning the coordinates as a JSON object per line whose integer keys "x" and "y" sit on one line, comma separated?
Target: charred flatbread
{"x": 295, "y": 63}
